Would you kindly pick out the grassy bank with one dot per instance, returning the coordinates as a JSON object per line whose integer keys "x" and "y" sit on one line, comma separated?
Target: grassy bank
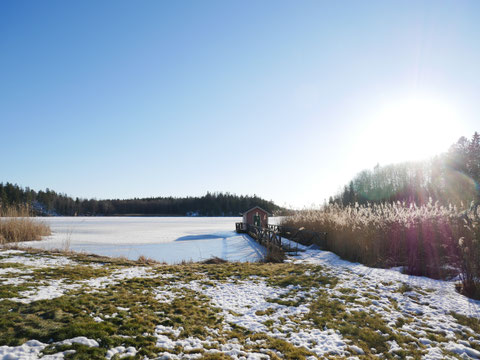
{"x": 90, "y": 307}
{"x": 16, "y": 225}
{"x": 430, "y": 240}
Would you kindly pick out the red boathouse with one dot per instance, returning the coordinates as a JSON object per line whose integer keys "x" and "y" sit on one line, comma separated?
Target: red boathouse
{"x": 256, "y": 216}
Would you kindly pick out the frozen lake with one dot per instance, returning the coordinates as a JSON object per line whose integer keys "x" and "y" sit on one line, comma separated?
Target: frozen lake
{"x": 168, "y": 239}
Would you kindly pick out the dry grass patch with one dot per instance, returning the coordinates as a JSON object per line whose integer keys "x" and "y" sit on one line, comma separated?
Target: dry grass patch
{"x": 17, "y": 225}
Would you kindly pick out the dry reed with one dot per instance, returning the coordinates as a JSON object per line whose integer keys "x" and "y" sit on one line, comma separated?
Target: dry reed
{"x": 17, "y": 225}
{"x": 430, "y": 240}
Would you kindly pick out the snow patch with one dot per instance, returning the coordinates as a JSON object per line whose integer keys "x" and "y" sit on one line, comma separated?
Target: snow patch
{"x": 82, "y": 340}
{"x": 30, "y": 350}
{"x": 245, "y": 303}
{"x": 117, "y": 276}
{"x": 39, "y": 262}
{"x": 56, "y": 289}
{"x": 121, "y": 351}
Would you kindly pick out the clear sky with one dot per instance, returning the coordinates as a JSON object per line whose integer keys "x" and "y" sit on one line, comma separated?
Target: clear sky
{"x": 284, "y": 99}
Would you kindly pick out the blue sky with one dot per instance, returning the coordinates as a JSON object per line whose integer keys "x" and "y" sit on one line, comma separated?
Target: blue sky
{"x": 284, "y": 99}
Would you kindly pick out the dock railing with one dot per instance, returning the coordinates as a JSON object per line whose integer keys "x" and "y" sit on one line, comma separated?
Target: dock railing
{"x": 264, "y": 236}
{"x": 272, "y": 235}
{"x": 302, "y": 235}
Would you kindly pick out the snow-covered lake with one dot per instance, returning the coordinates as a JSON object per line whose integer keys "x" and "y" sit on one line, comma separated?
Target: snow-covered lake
{"x": 169, "y": 239}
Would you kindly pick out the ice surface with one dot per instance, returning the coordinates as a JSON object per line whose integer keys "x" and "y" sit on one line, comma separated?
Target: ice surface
{"x": 168, "y": 239}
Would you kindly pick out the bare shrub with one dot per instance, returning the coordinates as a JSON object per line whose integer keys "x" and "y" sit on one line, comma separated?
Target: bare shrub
{"x": 214, "y": 260}
{"x": 146, "y": 260}
{"x": 274, "y": 254}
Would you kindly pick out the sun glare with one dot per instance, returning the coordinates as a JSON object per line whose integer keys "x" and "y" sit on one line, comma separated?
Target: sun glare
{"x": 413, "y": 128}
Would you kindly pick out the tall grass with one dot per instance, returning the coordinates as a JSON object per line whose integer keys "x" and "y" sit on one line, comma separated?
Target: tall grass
{"x": 17, "y": 224}
{"x": 430, "y": 240}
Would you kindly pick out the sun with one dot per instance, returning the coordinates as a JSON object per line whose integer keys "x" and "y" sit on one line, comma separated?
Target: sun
{"x": 412, "y": 128}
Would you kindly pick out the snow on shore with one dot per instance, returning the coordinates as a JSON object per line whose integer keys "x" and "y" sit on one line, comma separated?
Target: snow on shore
{"x": 440, "y": 293}
{"x": 243, "y": 302}
{"x": 413, "y": 307}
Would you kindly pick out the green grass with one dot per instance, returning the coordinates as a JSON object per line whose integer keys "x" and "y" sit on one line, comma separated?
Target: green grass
{"x": 472, "y": 323}
{"x": 73, "y": 314}
{"x": 71, "y": 273}
{"x": 13, "y": 291}
{"x": 192, "y": 313}
{"x": 358, "y": 326}
{"x": 11, "y": 265}
{"x": 404, "y": 288}
{"x": 69, "y": 316}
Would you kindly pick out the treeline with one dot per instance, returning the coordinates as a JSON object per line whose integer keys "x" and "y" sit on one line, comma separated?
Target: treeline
{"x": 49, "y": 202}
{"x": 451, "y": 178}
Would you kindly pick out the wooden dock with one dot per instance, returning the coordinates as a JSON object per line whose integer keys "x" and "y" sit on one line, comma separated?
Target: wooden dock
{"x": 264, "y": 236}
{"x": 273, "y": 234}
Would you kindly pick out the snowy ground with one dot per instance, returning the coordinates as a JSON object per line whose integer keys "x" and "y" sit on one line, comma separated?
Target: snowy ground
{"x": 314, "y": 306}
{"x": 166, "y": 239}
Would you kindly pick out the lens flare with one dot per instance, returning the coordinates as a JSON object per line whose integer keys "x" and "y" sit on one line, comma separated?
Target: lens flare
{"x": 415, "y": 127}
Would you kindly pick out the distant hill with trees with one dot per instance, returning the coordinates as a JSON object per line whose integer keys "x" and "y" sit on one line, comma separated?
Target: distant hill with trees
{"x": 49, "y": 202}
{"x": 450, "y": 178}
